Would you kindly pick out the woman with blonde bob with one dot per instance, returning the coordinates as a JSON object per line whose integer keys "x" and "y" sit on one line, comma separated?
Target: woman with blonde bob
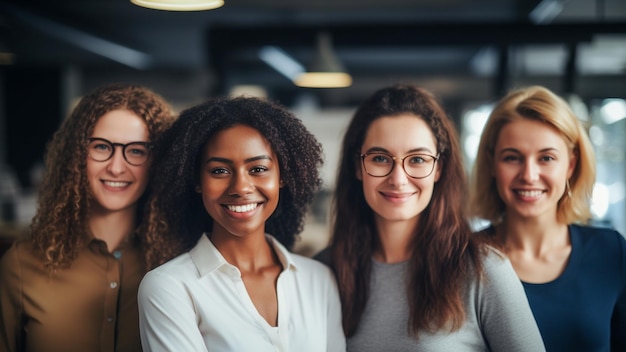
{"x": 533, "y": 179}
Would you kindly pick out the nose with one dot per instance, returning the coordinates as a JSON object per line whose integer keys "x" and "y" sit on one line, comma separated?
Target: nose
{"x": 117, "y": 164}
{"x": 398, "y": 176}
{"x": 530, "y": 171}
{"x": 241, "y": 184}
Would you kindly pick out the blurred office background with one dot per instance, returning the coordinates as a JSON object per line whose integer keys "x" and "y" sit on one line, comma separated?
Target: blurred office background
{"x": 469, "y": 52}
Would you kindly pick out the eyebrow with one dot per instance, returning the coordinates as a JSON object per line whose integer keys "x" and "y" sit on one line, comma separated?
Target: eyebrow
{"x": 414, "y": 150}
{"x": 228, "y": 161}
{"x": 110, "y": 141}
{"x": 514, "y": 150}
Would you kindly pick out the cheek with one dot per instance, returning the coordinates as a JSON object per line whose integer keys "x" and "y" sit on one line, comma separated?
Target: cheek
{"x": 271, "y": 188}
{"x": 209, "y": 196}
{"x": 500, "y": 173}
{"x": 92, "y": 169}
{"x": 142, "y": 175}
{"x": 210, "y": 189}
{"x": 503, "y": 178}
{"x": 370, "y": 185}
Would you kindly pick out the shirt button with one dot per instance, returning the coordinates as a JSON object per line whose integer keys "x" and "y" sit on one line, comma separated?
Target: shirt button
{"x": 113, "y": 284}
{"x": 117, "y": 254}
{"x": 109, "y": 319}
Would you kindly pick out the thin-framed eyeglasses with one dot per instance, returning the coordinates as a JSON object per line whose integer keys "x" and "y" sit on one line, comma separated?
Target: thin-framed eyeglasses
{"x": 135, "y": 153}
{"x": 416, "y": 165}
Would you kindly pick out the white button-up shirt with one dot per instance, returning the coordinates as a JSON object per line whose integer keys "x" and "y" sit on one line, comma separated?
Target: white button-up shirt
{"x": 198, "y": 302}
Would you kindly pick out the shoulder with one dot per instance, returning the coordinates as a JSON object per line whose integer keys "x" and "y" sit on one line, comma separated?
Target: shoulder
{"x": 21, "y": 252}
{"x": 167, "y": 280}
{"x": 590, "y": 236}
{"x": 317, "y": 278}
{"x": 586, "y": 231}
{"x": 176, "y": 269}
{"x": 21, "y": 261}
{"x": 303, "y": 265}
{"x": 310, "y": 265}
{"x": 496, "y": 264}
{"x": 493, "y": 257}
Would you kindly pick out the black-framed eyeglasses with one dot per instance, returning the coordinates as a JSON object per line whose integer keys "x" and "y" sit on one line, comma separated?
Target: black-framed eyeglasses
{"x": 417, "y": 165}
{"x": 135, "y": 153}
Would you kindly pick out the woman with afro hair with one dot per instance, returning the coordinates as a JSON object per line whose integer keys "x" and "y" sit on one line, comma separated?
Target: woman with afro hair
{"x": 234, "y": 185}
{"x": 72, "y": 284}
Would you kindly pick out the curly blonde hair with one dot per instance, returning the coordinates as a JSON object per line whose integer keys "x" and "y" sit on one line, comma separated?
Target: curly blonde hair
{"x": 58, "y": 227}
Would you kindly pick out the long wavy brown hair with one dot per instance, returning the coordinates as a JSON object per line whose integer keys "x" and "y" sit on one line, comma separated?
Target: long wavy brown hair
{"x": 61, "y": 221}
{"x": 443, "y": 251}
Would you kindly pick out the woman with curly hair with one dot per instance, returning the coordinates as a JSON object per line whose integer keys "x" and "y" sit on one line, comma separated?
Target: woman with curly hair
{"x": 410, "y": 274}
{"x": 234, "y": 185}
{"x": 72, "y": 285}
{"x": 533, "y": 179}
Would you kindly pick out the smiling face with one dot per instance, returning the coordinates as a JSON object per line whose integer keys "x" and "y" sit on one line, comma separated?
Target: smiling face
{"x": 239, "y": 181}
{"x": 115, "y": 184}
{"x": 398, "y": 197}
{"x": 531, "y": 165}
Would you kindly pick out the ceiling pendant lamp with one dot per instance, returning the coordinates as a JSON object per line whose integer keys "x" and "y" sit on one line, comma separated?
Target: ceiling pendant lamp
{"x": 325, "y": 71}
{"x": 179, "y": 5}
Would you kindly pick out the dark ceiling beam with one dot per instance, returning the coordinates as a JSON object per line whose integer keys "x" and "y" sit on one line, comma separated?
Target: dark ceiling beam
{"x": 390, "y": 35}
{"x": 224, "y": 42}
{"x": 80, "y": 39}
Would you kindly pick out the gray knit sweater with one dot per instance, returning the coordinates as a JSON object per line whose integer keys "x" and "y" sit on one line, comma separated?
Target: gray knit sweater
{"x": 498, "y": 315}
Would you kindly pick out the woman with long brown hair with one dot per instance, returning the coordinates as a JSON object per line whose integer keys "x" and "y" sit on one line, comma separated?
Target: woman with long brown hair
{"x": 410, "y": 274}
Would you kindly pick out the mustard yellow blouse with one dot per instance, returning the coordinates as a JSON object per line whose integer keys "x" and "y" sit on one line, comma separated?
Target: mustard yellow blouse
{"x": 90, "y": 306}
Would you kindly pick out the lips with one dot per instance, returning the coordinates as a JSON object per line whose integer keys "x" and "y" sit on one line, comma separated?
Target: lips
{"x": 529, "y": 193}
{"x": 397, "y": 197}
{"x": 243, "y": 208}
{"x": 116, "y": 184}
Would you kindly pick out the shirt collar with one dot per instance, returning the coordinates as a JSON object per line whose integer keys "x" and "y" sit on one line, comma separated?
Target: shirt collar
{"x": 207, "y": 258}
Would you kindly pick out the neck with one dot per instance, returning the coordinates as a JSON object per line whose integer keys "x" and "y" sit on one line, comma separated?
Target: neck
{"x": 249, "y": 254}
{"x": 536, "y": 237}
{"x": 112, "y": 227}
{"x": 395, "y": 239}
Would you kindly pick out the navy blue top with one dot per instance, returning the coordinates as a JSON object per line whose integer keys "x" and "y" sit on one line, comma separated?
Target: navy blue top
{"x": 584, "y": 309}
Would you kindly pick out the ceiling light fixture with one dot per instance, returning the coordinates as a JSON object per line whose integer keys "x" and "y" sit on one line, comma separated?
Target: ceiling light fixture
{"x": 546, "y": 11}
{"x": 179, "y": 5}
{"x": 325, "y": 71}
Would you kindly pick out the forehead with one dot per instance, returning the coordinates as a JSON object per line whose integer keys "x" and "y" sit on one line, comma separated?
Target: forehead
{"x": 121, "y": 126}
{"x": 400, "y": 134}
{"x": 238, "y": 140}
{"x": 528, "y": 134}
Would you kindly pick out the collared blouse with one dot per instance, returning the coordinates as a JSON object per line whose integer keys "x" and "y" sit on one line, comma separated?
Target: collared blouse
{"x": 198, "y": 302}
{"x": 89, "y": 306}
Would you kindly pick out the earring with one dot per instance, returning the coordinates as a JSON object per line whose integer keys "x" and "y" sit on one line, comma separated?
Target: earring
{"x": 568, "y": 188}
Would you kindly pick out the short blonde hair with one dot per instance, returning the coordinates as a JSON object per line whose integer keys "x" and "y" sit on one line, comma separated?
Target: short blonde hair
{"x": 540, "y": 104}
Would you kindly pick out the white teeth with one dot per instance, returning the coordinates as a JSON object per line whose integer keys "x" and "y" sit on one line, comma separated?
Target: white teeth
{"x": 116, "y": 184}
{"x": 242, "y": 208}
{"x": 529, "y": 193}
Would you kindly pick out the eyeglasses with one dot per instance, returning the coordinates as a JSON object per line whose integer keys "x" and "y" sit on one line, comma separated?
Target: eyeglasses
{"x": 415, "y": 165}
{"x": 135, "y": 153}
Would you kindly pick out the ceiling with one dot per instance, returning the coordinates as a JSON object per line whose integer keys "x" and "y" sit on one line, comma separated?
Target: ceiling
{"x": 469, "y": 49}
